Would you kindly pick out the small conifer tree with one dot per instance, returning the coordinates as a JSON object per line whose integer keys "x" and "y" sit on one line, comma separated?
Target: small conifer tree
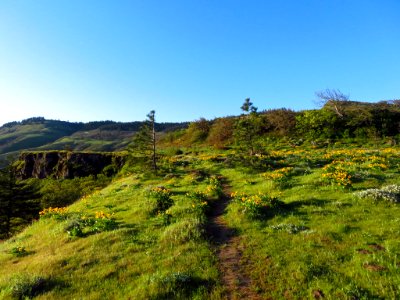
{"x": 144, "y": 141}
{"x": 18, "y": 203}
{"x": 247, "y": 127}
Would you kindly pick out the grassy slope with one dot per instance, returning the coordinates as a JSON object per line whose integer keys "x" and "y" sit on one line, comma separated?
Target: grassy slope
{"x": 92, "y": 140}
{"x": 142, "y": 259}
{"x": 44, "y": 136}
{"x": 28, "y": 136}
{"x": 51, "y": 136}
{"x": 341, "y": 246}
{"x": 348, "y": 248}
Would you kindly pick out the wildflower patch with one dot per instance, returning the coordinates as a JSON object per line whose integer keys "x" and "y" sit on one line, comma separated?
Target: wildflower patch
{"x": 162, "y": 198}
{"x": 199, "y": 201}
{"x": 256, "y": 205}
{"x": 58, "y": 213}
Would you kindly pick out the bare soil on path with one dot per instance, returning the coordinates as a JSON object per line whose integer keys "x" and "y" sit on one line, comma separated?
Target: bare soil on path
{"x": 229, "y": 252}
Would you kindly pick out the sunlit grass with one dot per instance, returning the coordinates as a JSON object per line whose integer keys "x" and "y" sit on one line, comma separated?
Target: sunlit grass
{"x": 142, "y": 259}
{"x": 321, "y": 240}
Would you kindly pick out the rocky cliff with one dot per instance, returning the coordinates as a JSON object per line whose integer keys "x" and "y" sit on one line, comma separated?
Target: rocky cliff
{"x": 66, "y": 164}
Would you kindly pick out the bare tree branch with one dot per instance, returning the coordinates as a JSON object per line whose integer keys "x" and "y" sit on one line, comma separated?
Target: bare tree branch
{"x": 332, "y": 98}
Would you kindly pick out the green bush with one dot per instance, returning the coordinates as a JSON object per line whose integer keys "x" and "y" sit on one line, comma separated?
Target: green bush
{"x": 162, "y": 197}
{"x": 25, "y": 287}
{"x": 18, "y": 251}
{"x": 256, "y": 206}
{"x": 82, "y": 225}
{"x": 63, "y": 192}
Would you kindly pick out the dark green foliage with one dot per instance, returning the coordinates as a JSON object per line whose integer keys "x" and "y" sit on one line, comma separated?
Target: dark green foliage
{"x": 339, "y": 118}
{"x": 162, "y": 199}
{"x": 62, "y": 135}
{"x": 144, "y": 142}
{"x": 63, "y": 192}
{"x": 280, "y": 122}
{"x": 198, "y": 131}
{"x": 174, "y": 136}
{"x": 248, "y": 128}
{"x": 28, "y": 287}
{"x": 81, "y": 226}
{"x": 19, "y": 251}
{"x": 317, "y": 124}
{"x": 19, "y": 203}
{"x": 221, "y": 132}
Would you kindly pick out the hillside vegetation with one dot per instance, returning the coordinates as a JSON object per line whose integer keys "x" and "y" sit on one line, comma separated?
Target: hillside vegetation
{"x": 309, "y": 222}
{"x": 274, "y": 204}
{"x": 41, "y": 134}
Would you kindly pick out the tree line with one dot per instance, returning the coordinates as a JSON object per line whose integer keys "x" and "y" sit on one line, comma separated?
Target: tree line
{"x": 93, "y": 125}
{"x": 338, "y": 118}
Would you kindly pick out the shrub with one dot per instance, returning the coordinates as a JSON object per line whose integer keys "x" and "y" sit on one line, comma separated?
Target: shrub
{"x": 74, "y": 228}
{"x": 214, "y": 187}
{"x": 84, "y": 225}
{"x": 165, "y": 218}
{"x": 26, "y": 287}
{"x": 18, "y": 251}
{"x": 221, "y": 132}
{"x": 101, "y": 222}
{"x": 198, "y": 131}
{"x": 337, "y": 174}
{"x": 162, "y": 197}
{"x": 256, "y": 205}
{"x": 199, "y": 201}
{"x": 289, "y": 228}
{"x": 390, "y": 193}
{"x": 58, "y": 213}
{"x": 280, "y": 176}
{"x": 62, "y": 192}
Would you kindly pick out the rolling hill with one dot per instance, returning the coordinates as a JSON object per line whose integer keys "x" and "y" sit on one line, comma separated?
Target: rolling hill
{"x": 41, "y": 134}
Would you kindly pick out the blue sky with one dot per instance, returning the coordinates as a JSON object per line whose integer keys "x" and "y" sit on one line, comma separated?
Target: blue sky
{"x": 117, "y": 60}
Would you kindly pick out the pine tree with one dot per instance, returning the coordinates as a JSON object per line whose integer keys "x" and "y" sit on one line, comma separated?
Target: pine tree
{"x": 18, "y": 203}
{"x": 247, "y": 127}
{"x": 144, "y": 141}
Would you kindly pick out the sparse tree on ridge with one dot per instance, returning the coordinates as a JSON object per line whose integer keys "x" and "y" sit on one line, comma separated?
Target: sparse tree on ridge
{"x": 247, "y": 127}
{"x": 144, "y": 141}
{"x": 332, "y": 99}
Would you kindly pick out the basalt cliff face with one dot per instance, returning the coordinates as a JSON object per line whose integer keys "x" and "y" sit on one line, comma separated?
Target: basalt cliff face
{"x": 66, "y": 164}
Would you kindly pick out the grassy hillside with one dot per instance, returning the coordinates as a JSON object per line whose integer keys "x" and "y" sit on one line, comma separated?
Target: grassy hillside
{"x": 92, "y": 140}
{"x": 300, "y": 223}
{"x": 29, "y": 136}
{"x": 41, "y": 134}
{"x": 134, "y": 248}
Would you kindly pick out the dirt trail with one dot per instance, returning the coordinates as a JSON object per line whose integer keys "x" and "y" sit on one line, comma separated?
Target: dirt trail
{"x": 229, "y": 252}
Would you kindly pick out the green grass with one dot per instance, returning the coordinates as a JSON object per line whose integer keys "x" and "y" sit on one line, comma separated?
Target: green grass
{"x": 144, "y": 258}
{"x": 92, "y": 140}
{"x": 323, "y": 240}
{"x": 28, "y": 136}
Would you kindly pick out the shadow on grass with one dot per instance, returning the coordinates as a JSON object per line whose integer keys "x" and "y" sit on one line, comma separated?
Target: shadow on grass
{"x": 295, "y": 207}
{"x": 179, "y": 286}
{"x": 27, "y": 287}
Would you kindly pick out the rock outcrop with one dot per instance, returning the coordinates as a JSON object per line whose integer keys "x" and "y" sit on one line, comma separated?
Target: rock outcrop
{"x": 66, "y": 164}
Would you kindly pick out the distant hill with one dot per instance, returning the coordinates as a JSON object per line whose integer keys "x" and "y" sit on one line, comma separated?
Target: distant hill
{"x": 39, "y": 133}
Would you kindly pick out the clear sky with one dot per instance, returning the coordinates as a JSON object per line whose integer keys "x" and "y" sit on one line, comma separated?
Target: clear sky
{"x": 117, "y": 60}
